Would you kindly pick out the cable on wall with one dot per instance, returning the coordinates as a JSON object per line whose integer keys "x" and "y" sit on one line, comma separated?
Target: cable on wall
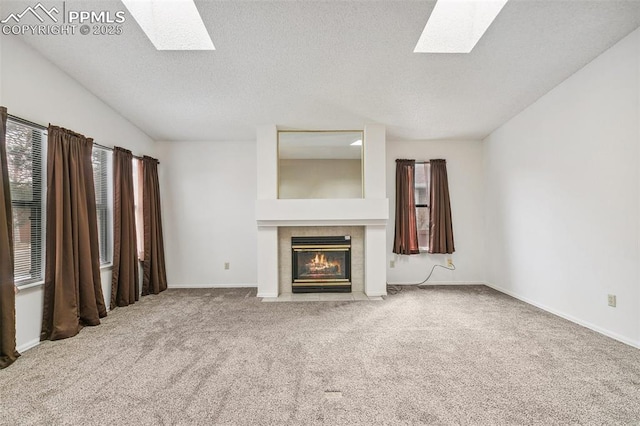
{"x": 395, "y": 288}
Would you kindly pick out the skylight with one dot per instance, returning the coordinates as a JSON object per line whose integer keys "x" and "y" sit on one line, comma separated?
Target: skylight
{"x": 455, "y": 26}
{"x": 171, "y": 24}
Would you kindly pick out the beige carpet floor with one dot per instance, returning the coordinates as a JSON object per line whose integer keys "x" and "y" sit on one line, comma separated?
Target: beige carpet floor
{"x": 438, "y": 356}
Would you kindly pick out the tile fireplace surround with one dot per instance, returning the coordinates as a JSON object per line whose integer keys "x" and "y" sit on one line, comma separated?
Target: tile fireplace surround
{"x": 284, "y": 251}
{"x": 364, "y": 219}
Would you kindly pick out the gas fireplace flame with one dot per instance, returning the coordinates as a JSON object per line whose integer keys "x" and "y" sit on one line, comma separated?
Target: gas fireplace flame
{"x": 320, "y": 264}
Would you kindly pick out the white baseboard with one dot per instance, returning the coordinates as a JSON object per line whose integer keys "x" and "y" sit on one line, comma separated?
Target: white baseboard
{"x": 26, "y": 346}
{"x": 442, "y": 283}
{"x": 241, "y": 285}
{"x": 568, "y": 317}
{"x": 267, "y": 295}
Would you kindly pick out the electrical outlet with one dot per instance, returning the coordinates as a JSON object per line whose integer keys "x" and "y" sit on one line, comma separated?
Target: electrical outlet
{"x": 611, "y": 300}
{"x": 226, "y": 265}
{"x": 449, "y": 262}
{"x": 392, "y": 264}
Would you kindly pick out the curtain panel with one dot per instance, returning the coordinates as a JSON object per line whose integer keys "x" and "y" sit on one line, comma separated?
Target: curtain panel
{"x": 440, "y": 223}
{"x": 406, "y": 230}
{"x": 155, "y": 276}
{"x": 125, "y": 288}
{"x": 72, "y": 289}
{"x": 8, "y": 353}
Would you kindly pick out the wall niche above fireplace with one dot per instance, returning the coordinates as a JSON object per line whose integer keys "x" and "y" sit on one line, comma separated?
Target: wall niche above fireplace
{"x": 316, "y": 164}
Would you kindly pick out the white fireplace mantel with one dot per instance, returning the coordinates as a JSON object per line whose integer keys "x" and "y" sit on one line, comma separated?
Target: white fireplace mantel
{"x": 322, "y": 212}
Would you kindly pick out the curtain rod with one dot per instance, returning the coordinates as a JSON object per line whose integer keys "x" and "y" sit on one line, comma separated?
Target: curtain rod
{"x": 422, "y": 162}
{"x": 41, "y": 127}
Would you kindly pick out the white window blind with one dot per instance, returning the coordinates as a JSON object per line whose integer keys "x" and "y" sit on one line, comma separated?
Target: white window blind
{"x": 102, "y": 176}
{"x": 422, "y": 174}
{"x": 24, "y": 159}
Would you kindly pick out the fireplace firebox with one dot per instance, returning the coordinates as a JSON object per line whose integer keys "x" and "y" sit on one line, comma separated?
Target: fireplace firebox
{"x": 321, "y": 264}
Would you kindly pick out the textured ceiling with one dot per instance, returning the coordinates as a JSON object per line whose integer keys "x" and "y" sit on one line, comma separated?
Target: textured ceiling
{"x": 338, "y": 65}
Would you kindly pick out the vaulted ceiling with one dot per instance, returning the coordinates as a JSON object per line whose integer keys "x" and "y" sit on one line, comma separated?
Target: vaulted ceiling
{"x": 337, "y": 65}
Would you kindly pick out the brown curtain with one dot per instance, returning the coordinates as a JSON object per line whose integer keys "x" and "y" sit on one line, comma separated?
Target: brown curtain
{"x": 406, "y": 236}
{"x": 440, "y": 224}
{"x": 124, "y": 281}
{"x": 8, "y": 352}
{"x": 155, "y": 276}
{"x": 72, "y": 288}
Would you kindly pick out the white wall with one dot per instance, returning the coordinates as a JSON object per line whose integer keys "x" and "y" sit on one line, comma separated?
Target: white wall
{"x": 36, "y": 90}
{"x": 466, "y": 175}
{"x": 208, "y": 192}
{"x": 638, "y": 124}
{"x": 320, "y": 179}
{"x": 563, "y": 196}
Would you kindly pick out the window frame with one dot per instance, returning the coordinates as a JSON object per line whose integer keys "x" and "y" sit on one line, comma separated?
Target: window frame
{"x": 104, "y": 209}
{"x": 427, "y": 178}
{"x": 136, "y": 171}
{"x": 36, "y": 206}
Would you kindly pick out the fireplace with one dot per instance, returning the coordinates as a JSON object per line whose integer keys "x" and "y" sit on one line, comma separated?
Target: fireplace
{"x": 321, "y": 264}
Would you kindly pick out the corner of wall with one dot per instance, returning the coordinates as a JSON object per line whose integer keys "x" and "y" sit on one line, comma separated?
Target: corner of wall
{"x": 540, "y": 188}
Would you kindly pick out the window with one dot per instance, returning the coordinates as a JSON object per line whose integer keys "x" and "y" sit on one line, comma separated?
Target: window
{"x": 102, "y": 172}
{"x": 137, "y": 201}
{"x": 24, "y": 160}
{"x": 422, "y": 173}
